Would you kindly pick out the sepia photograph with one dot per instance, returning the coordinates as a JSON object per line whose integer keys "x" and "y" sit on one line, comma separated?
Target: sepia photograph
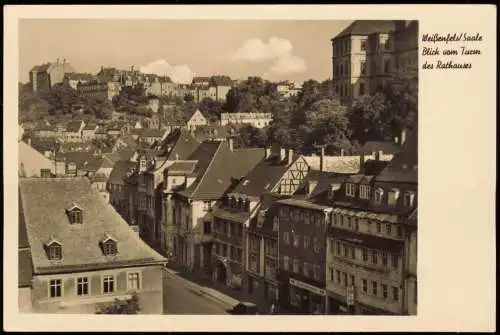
{"x": 249, "y": 168}
{"x": 272, "y": 171}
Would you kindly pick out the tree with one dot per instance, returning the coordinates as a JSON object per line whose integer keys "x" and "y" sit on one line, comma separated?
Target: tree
{"x": 211, "y": 108}
{"x": 128, "y": 306}
{"x": 250, "y": 137}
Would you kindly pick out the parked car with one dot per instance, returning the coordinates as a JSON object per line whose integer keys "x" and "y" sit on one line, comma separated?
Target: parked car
{"x": 244, "y": 308}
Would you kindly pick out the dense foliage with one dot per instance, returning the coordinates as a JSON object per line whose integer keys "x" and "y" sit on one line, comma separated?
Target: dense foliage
{"x": 128, "y": 306}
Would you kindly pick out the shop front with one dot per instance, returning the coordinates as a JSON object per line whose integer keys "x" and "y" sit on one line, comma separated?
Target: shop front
{"x": 306, "y": 298}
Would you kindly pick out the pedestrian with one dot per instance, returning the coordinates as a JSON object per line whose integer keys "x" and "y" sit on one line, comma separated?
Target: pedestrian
{"x": 273, "y": 309}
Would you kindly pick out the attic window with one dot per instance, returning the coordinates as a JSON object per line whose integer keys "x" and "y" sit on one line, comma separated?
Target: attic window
{"x": 109, "y": 247}
{"x": 75, "y": 214}
{"x": 379, "y": 193}
{"x": 350, "y": 190}
{"x": 393, "y": 197}
{"x": 54, "y": 250}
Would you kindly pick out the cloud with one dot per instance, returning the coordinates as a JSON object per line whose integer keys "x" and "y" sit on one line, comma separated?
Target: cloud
{"x": 277, "y": 50}
{"x": 289, "y": 64}
{"x": 254, "y": 50}
{"x": 181, "y": 74}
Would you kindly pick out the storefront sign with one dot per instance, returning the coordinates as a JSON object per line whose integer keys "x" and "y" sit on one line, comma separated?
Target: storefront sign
{"x": 306, "y": 286}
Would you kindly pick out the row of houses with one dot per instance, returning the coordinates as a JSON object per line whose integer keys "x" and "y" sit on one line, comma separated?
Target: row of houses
{"x": 281, "y": 226}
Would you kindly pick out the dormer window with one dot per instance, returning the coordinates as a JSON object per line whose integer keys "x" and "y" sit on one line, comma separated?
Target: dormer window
{"x": 408, "y": 199}
{"x": 379, "y": 194}
{"x": 75, "y": 214}
{"x": 364, "y": 191}
{"x": 54, "y": 249}
{"x": 350, "y": 190}
{"x": 109, "y": 246}
{"x": 393, "y": 197}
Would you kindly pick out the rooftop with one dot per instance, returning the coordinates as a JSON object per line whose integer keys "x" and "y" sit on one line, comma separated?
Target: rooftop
{"x": 46, "y": 218}
{"x": 368, "y": 27}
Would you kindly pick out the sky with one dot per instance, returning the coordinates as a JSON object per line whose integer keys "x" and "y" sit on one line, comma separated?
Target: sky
{"x": 276, "y": 50}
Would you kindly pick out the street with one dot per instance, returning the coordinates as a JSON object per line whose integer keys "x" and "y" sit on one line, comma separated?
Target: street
{"x": 180, "y": 298}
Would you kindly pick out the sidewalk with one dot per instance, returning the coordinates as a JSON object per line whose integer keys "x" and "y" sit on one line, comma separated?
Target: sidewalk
{"x": 220, "y": 291}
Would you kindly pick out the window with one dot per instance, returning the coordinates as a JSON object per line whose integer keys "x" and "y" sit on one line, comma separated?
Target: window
{"x": 395, "y": 293}
{"x": 363, "y": 45}
{"x": 276, "y": 223}
{"x": 384, "y": 291}
{"x": 355, "y": 225}
{"x": 207, "y": 227}
{"x": 331, "y": 274}
{"x": 364, "y": 190}
{"x": 345, "y": 279}
{"x": 363, "y": 68}
{"x": 384, "y": 258}
{"x": 379, "y": 227}
{"x": 346, "y": 251}
{"x": 306, "y": 242}
{"x": 286, "y": 263}
{"x": 316, "y": 245}
{"x": 395, "y": 261}
{"x": 45, "y": 173}
{"x": 388, "y": 44}
{"x": 379, "y": 194}
{"x": 353, "y": 280}
{"x": 408, "y": 199}
{"x": 316, "y": 272}
{"x": 55, "y": 251}
{"x": 387, "y": 66}
{"x": 365, "y": 255}
{"x": 108, "y": 284}
{"x": 338, "y": 276}
{"x": 341, "y": 74}
{"x": 388, "y": 229}
{"x": 400, "y": 231}
{"x": 286, "y": 237}
{"x": 393, "y": 197}
{"x": 82, "y": 286}
{"x": 296, "y": 266}
{"x": 337, "y": 246}
{"x": 55, "y": 288}
{"x": 306, "y": 269}
{"x": 361, "y": 89}
{"x": 374, "y": 288}
{"x": 374, "y": 257}
{"x": 133, "y": 281}
{"x": 296, "y": 240}
{"x": 365, "y": 286}
{"x": 109, "y": 248}
{"x": 76, "y": 216}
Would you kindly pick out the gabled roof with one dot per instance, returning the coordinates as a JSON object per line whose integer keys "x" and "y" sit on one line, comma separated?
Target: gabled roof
{"x": 120, "y": 171}
{"x": 221, "y": 81}
{"x": 263, "y": 177}
{"x": 93, "y": 165}
{"x": 79, "y": 76}
{"x": 323, "y": 181}
{"x": 77, "y": 157}
{"x": 182, "y": 167}
{"x": 90, "y": 126}
{"x": 404, "y": 166}
{"x": 368, "y": 27}
{"x": 216, "y": 170}
{"x": 45, "y": 215}
{"x": 182, "y": 144}
{"x": 200, "y": 79}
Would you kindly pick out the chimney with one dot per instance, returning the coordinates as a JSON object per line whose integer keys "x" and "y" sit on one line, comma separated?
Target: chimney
{"x": 322, "y": 160}
{"x": 361, "y": 162}
{"x": 311, "y": 185}
{"x": 282, "y": 154}
{"x": 290, "y": 156}
{"x": 230, "y": 141}
{"x": 268, "y": 152}
{"x": 403, "y": 136}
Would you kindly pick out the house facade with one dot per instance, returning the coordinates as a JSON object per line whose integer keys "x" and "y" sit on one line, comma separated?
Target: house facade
{"x": 43, "y": 77}
{"x": 63, "y": 279}
{"x": 258, "y": 120}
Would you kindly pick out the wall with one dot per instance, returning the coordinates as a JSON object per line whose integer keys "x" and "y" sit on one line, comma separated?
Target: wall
{"x": 150, "y": 294}
{"x": 25, "y": 303}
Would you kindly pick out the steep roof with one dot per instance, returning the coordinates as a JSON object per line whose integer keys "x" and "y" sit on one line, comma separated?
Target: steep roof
{"x": 41, "y": 68}
{"x": 77, "y": 157}
{"x": 221, "y": 81}
{"x": 404, "y": 166}
{"x": 79, "y": 76}
{"x": 200, "y": 79}
{"x": 119, "y": 172}
{"x": 182, "y": 144}
{"x": 216, "y": 170}
{"x": 46, "y": 218}
{"x": 93, "y": 165}
{"x": 367, "y": 27}
{"x": 337, "y": 164}
{"x": 323, "y": 180}
{"x": 262, "y": 178}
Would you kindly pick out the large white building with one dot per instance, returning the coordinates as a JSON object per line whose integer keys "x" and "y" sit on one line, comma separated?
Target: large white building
{"x": 258, "y": 120}
{"x": 368, "y": 53}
